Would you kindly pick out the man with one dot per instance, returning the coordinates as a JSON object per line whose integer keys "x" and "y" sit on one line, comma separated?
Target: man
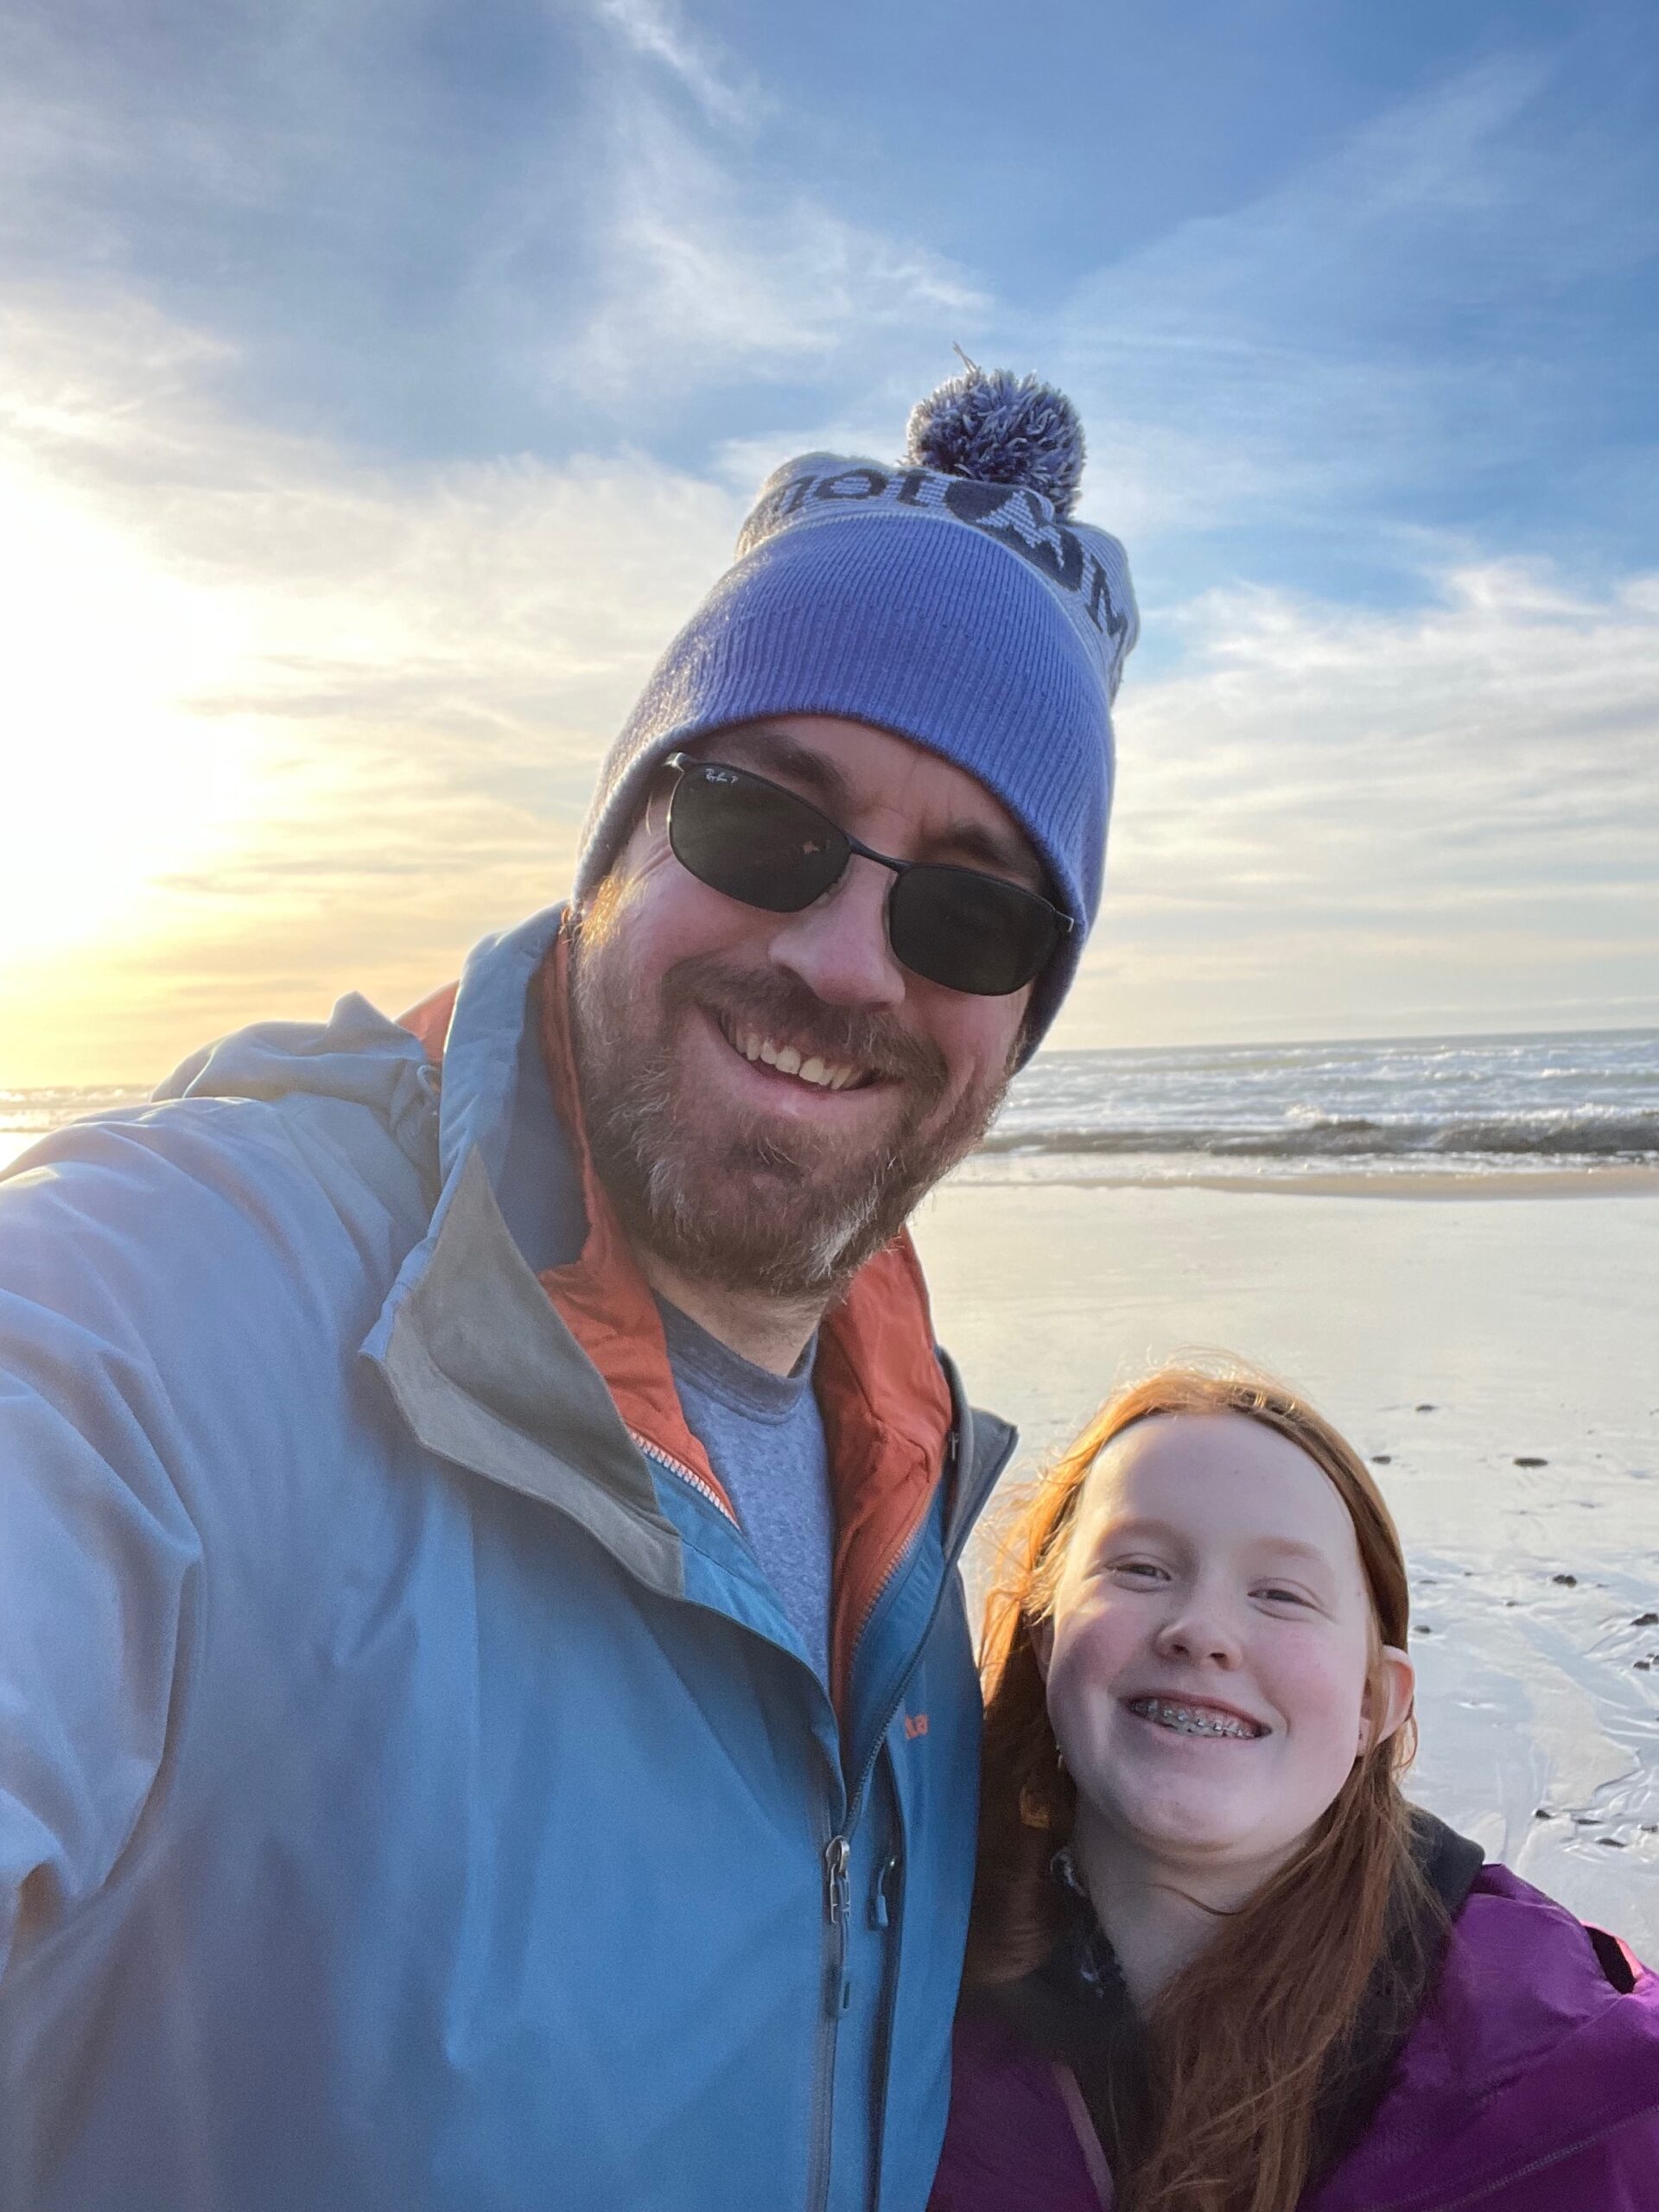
{"x": 486, "y": 1714}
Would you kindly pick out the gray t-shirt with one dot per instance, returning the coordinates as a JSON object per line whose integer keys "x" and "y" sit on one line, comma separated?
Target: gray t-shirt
{"x": 764, "y": 1435}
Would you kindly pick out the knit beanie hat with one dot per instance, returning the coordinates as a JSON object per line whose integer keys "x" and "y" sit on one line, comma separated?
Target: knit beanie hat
{"x": 948, "y": 599}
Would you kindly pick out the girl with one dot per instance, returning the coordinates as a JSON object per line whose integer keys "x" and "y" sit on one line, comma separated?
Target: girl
{"x": 1217, "y": 1963}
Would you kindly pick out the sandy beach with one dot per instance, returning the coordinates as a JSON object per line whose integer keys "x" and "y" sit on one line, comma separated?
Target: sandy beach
{"x": 1495, "y": 1354}
{"x": 1490, "y": 1343}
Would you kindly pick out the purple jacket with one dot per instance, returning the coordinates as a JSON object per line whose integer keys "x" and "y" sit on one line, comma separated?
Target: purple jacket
{"x": 1530, "y": 2083}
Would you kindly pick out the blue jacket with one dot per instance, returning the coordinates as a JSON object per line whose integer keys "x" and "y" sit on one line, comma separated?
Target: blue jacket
{"x": 411, "y": 1794}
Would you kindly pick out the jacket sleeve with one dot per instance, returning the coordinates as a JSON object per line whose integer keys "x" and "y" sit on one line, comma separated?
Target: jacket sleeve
{"x": 98, "y": 1556}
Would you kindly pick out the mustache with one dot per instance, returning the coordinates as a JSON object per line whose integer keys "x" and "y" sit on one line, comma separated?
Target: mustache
{"x": 864, "y": 1037}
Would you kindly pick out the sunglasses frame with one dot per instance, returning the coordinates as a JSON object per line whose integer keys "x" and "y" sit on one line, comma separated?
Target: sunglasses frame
{"x": 1062, "y": 924}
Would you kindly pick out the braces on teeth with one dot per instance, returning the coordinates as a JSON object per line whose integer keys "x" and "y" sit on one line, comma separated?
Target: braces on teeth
{"x": 1186, "y": 1721}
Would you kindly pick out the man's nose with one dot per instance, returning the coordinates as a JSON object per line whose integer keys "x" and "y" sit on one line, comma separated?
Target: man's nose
{"x": 838, "y": 946}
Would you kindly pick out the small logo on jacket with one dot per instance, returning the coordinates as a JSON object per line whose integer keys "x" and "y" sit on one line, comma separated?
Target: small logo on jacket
{"x": 915, "y": 1725}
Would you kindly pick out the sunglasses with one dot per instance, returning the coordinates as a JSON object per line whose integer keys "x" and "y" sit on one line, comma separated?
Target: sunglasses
{"x": 759, "y": 843}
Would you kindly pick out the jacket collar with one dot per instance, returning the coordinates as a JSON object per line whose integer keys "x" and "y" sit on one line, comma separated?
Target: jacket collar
{"x": 487, "y": 1375}
{"x": 885, "y": 1400}
{"x": 887, "y": 1406}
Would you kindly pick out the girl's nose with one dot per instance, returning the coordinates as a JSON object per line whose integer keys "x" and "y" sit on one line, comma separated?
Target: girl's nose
{"x": 1202, "y": 1630}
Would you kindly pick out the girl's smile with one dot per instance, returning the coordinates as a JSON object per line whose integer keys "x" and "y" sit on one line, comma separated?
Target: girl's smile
{"x": 1209, "y": 1652}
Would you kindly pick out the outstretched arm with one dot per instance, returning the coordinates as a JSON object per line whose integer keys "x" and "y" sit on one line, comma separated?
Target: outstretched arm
{"x": 99, "y": 1558}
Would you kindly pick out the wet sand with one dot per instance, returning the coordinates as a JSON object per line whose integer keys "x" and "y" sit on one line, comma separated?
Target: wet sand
{"x": 1499, "y": 1352}
{"x": 1499, "y": 1360}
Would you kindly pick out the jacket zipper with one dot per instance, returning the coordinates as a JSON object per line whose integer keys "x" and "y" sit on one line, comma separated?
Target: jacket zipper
{"x": 838, "y": 1904}
{"x": 838, "y": 1988}
{"x": 686, "y": 1475}
{"x": 887, "y": 1909}
{"x": 837, "y": 1995}
{"x": 837, "y": 1857}
{"x": 837, "y": 1901}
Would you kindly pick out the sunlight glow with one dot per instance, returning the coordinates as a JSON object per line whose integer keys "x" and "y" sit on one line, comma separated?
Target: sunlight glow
{"x": 110, "y": 779}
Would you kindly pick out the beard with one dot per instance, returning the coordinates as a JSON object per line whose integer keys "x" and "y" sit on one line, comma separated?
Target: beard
{"x": 753, "y": 1204}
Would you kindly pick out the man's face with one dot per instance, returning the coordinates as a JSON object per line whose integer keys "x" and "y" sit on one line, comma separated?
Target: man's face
{"x": 736, "y": 1170}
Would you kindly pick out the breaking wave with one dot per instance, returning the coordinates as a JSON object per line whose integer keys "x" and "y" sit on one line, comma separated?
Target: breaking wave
{"x": 1587, "y": 1135}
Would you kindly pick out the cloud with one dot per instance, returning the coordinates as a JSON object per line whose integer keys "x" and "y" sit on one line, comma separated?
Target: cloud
{"x": 562, "y": 223}
{"x": 655, "y": 31}
{"x": 292, "y": 723}
{"x": 302, "y": 715}
{"x": 701, "y": 279}
{"x": 356, "y": 713}
{"x": 1338, "y": 820}
{"x": 1399, "y": 333}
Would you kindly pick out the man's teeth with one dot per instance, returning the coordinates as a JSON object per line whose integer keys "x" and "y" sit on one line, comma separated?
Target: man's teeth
{"x": 787, "y": 1061}
{"x": 1194, "y": 1719}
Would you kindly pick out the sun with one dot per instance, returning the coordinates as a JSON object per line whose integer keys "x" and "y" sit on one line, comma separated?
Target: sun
{"x": 114, "y": 773}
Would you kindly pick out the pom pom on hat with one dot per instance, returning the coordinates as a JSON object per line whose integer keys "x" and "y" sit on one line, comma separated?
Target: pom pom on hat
{"x": 995, "y": 428}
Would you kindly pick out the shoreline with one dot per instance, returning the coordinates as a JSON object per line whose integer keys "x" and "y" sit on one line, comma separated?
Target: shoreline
{"x": 1634, "y": 1180}
{"x": 1078, "y": 1171}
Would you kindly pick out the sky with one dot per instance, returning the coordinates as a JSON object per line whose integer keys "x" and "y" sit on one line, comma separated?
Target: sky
{"x": 381, "y": 383}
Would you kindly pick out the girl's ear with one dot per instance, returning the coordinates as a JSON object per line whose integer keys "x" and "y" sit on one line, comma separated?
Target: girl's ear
{"x": 1380, "y": 1716}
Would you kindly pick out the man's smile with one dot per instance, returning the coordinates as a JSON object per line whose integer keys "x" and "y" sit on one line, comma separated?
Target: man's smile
{"x": 761, "y": 1045}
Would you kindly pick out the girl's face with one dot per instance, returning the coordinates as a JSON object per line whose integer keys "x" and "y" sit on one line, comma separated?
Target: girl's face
{"x": 1207, "y": 1655}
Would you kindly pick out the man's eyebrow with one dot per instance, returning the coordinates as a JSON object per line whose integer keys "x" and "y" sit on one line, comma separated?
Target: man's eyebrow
{"x": 770, "y": 752}
{"x": 971, "y": 845}
{"x": 976, "y": 843}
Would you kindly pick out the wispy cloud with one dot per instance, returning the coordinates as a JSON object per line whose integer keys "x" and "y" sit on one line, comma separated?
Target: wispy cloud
{"x": 657, "y": 31}
{"x": 702, "y": 278}
{"x": 1335, "y": 818}
{"x": 1386, "y": 333}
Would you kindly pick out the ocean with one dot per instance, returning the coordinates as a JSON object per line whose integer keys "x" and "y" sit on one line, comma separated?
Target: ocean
{"x": 1455, "y": 1109}
{"x": 26, "y": 1114}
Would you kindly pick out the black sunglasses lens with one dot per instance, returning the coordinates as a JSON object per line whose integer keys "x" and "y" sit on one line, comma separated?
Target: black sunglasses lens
{"x": 752, "y": 840}
{"x": 968, "y": 931}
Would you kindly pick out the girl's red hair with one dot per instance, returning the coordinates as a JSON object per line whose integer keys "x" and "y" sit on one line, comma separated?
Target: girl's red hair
{"x": 1243, "y": 2039}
